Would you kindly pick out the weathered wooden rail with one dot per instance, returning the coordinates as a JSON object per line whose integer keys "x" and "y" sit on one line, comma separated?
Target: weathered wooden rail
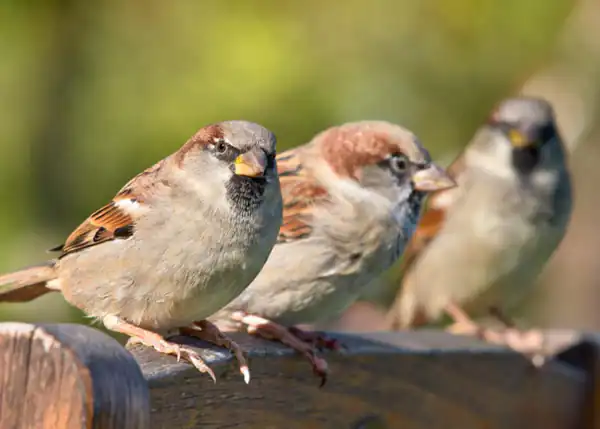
{"x": 71, "y": 376}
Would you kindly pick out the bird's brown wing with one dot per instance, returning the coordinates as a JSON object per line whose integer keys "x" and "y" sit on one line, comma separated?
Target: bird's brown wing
{"x": 300, "y": 193}
{"x": 116, "y": 220}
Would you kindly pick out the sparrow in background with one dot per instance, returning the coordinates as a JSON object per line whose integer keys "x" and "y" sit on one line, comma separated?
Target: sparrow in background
{"x": 352, "y": 199}
{"x": 176, "y": 244}
{"x": 480, "y": 246}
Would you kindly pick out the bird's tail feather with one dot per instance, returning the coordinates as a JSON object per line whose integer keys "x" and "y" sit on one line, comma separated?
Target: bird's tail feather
{"x": 29, "y": 283}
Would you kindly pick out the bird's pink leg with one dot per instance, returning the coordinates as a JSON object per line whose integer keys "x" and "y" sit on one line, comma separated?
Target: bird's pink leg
{"x": 158, "y": 343}
{"x": 463, "y": 324}
{"x": 264, "y": 328}
{"x": 208, "y": 332}
{"x": 529, "y": 343}
{"x": 317, "y": 339}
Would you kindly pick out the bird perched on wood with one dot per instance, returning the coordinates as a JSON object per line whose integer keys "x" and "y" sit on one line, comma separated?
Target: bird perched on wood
{"x": 176, "y": 244}
{"x": 480, "y": 246}
{"x": 352, "y": 199}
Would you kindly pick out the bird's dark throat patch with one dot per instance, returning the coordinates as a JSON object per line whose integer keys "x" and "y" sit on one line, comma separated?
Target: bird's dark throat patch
{"x": 246, "y": 193}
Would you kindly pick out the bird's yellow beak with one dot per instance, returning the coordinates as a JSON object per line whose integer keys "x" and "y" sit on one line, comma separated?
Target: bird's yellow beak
{"x": 518, "y": 139}
{"x": 252, "y": 163}
{"x": 432, "y": 178}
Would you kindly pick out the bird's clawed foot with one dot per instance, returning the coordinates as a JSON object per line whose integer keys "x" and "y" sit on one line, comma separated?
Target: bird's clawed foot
{"x": 529, "y": 343}
{"x": 157, "y": 342}
{"x": 208, "y": 332}
{"x": 317, "y": 339}
{"x": 301, "y": 341}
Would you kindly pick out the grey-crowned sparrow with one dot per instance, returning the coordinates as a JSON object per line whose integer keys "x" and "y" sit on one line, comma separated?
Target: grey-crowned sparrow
{"x": 480, "y": 246}
{"x": 176, "y": 244}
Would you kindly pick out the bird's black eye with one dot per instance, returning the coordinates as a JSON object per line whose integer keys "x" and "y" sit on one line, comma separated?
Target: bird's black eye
{"x": 220, "y": 147}
{"x": 224, "y": 151}
{"x": 398, "y": 163}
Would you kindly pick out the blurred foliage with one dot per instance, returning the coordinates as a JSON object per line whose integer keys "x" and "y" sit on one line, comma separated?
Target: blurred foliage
{"x": 92, "y": 93}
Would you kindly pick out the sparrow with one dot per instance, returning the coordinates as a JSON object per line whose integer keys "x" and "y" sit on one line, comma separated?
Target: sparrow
{"x": 480, "y": 246}
{"x": 351, "y": 200}
{"x": 177, "y": 243}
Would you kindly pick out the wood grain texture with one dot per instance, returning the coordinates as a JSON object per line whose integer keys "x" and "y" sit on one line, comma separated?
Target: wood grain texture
{"x": 409, "y": 380}
{"x": 592, "y": 414}
{"x": 68, "y": 376}
{"x": 586, "y": 356}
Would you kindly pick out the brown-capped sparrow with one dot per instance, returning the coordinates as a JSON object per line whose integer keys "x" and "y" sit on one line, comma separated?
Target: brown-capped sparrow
{"x": 352, "y": 199}
{"x": 176, "y": 244}
{"x": 480, "y": 246}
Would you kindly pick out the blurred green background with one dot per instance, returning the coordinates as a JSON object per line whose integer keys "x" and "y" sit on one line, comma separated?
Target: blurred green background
{"x": 92, "y": 93}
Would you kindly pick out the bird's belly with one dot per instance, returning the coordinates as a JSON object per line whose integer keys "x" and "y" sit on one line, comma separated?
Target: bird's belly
{"x": 507, "y": 288}
{"x": 206, "y": 292}
{"x": 510, "y": 276}
{"x": 302, "y": 284}
{"x": 471, "y": 270}
{"x": 157, "y": 291}
{"x": 319, "y": 302}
